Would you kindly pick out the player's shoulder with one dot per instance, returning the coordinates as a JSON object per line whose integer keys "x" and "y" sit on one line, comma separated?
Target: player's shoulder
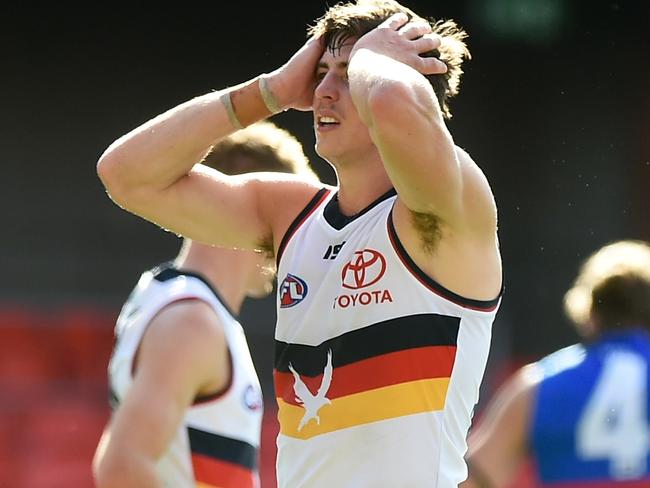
{"x": 284, "y": 197}
{"x": 561, "y": 360}
{"x": 524, "y": 382}
{"x": 185, "y": 325}
{"x": 291, "y": 185}
{"x": 182, "y": 347}
{"x": 284, "y": 190}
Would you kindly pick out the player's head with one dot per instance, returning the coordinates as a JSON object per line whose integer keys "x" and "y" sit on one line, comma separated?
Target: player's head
{"x": 349, "y": 21}
{"x": 612, "y": 290}
{"x": 261, "y": 147}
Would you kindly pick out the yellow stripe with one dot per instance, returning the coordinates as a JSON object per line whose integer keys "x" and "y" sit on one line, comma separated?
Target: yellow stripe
{"x": 369, "y": 406}
{"x": 204, "y": 485}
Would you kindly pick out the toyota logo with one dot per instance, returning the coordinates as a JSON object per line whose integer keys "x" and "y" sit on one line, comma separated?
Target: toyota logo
{"x": 366, "y": 268}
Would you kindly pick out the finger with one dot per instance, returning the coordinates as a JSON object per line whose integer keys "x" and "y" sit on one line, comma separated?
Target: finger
{"x": 431, "y": 66}
{"x": 316, "y": 43}
{"x": 426, "y": 43}
{"x": 414, "y": 30}
{"x": 395, "y": 21}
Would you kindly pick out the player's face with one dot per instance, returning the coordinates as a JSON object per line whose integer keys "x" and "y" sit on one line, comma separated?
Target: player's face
{"x": 340, "y": 134}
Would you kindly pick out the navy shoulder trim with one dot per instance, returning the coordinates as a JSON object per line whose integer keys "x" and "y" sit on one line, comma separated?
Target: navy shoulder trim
{"x": 313, "y": 204}
{"x": 431, "y": 284}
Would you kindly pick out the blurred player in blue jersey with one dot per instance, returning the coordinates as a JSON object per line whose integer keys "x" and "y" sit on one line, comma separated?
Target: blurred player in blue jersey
{"x": 582, "y": 412}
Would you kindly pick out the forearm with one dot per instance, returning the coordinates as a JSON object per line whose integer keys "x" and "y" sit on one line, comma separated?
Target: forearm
{"x": 129, "y": 471}
{"x": 402, "y": 113}
{"x": 374, "y": 77}
{"x": 121, "y": 468}
{"x": 155, "y": 155}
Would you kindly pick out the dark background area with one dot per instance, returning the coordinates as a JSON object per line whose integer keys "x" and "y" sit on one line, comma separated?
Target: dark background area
{"x": 554, "y": 106}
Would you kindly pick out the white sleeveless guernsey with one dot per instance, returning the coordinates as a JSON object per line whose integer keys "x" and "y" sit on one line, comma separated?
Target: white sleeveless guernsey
{"x": 377, "y": 367}
{"x": 217, "y": 444}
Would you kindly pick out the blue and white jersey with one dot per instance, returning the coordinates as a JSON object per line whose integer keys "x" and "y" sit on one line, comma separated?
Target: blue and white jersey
{"x": 590, "y": 417}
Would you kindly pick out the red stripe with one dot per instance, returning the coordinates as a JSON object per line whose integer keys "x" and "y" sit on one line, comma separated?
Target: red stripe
{"x": 221, "y": 473}
{"x": 369, "y": 374}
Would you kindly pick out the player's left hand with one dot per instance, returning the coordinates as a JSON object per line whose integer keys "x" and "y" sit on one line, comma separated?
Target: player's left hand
{"x": 404, "y": 41}
{"x": 293, "y": 83}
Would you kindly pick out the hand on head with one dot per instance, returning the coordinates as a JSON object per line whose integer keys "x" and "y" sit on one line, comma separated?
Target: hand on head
{"x": 293, "y": 83}
{"x": 405, "y": 41}
{"x": 398, "y": 38}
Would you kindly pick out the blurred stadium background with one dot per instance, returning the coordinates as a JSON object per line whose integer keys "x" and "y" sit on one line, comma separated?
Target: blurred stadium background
{"x": 554, "y": 106}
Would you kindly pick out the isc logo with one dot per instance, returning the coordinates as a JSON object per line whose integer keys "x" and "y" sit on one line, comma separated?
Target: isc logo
{"x": 293, "y": 290}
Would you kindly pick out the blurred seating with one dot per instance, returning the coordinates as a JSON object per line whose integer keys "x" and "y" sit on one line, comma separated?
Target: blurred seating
{"x": 54, "y": 397}
{"x": 53, "y": 404}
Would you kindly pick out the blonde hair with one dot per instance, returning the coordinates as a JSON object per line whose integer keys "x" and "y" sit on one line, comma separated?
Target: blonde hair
{"x": 614, "y": 286}
{"x": 262, "y": 146}
{"x": 352, "y": 20}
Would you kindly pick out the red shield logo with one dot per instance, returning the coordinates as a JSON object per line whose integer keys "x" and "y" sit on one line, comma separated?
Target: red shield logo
{"x": 293, "y": 290}
{"x": 366, "y": 268}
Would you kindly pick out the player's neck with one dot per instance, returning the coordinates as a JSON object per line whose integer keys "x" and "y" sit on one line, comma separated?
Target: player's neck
{"x": 221, "y": 267}
{"x": 359, "y": 187}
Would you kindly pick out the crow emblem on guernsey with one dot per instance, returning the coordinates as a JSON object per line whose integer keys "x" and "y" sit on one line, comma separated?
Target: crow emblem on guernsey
{"x": 312, "y": 403}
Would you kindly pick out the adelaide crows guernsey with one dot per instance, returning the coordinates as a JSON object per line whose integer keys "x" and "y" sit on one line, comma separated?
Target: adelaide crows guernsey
{"x": 591, "y": 414}
{"x": 377, "y": 367}
{"x": 217, "y": 444}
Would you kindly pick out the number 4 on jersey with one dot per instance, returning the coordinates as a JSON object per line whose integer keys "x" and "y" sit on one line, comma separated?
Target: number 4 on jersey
{"x": 614, "y": 424}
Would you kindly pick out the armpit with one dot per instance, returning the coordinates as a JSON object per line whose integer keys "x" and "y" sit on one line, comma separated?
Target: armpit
{"x": 265, "y": 245}
{"x": 428, "y": 227}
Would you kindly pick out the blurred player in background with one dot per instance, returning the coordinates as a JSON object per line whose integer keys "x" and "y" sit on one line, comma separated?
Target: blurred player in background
{"x": 582, "y": 413}
{"x": 187, "y": 401}
{"x": 388, "y": 283}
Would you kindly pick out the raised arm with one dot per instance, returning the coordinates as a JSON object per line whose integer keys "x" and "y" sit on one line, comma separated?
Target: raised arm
{"x": 398, "y": 104}
{"x": 152, "y": 171}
